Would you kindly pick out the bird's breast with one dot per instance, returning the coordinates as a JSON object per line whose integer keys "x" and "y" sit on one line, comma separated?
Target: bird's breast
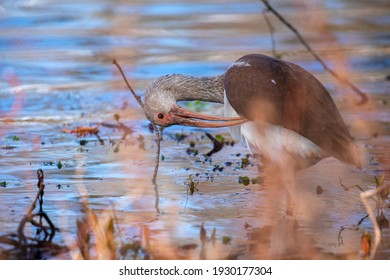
{"x": 274, "y": 142}
{"x": 279, "y": 145}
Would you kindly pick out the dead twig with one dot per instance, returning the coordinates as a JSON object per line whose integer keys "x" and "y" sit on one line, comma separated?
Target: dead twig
{"x": 47, "y": 230}
{"x": 353, "y": 228}
{"x": 82, "y": 131}
{"x": 156, "y": 131}
{"x": 347, "y": 188}
{"x": 136, "y": 96}
{"x": 363, "y": 96}
{"x": 271, "y": 30}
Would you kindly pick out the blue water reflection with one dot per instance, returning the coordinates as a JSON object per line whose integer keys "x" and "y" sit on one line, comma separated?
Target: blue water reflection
{"x": 56, "y": 73}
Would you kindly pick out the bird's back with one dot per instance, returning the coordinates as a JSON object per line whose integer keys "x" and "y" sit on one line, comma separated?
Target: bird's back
{"x": 271, "y": 91}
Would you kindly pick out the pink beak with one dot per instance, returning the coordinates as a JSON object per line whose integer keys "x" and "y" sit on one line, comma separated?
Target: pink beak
{"x": 188, "y": 118}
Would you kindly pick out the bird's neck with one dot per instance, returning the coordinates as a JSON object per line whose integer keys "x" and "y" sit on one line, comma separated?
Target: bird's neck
{"x": 209, "y": 89}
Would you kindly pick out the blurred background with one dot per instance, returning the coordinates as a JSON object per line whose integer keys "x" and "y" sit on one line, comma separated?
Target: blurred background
{"x": 56, "y": 73}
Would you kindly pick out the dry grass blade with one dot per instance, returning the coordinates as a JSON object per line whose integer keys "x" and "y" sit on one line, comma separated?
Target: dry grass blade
{"x": 95, "y": 235}
{"x": 363, "y": 96}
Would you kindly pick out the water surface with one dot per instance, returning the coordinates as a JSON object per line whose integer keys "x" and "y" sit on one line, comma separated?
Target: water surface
{"x": 56, "y": 73}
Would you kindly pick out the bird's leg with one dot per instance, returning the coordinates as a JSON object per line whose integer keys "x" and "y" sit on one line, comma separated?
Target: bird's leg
{"x": 288, "y": 180}
{"x": 280, "y": 180}
{"x": 291, "y": 198}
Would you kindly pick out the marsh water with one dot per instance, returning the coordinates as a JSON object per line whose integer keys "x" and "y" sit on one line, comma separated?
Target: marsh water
{"x": 57, "y": 74}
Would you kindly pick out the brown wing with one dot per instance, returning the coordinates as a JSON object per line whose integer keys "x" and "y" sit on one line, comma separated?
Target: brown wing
{"x": 266, "y": 89}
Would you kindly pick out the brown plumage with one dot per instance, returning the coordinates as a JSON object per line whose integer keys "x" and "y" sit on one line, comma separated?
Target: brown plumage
{"x": 266, "y": 89}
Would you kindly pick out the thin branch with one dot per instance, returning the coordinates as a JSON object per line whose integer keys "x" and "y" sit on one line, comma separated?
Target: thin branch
{"x": 128, "y": 85}
{"x": 347, "y": 188}
{"x": 29, "y": 216}
{"x": 41, "y": 187}
{"x": 158, "y": 138}
{"x": 353, "y": 227}
{"x": 362, "y": 95}
{"x": 156, "y": 131}
{"x": 271, "y": 30}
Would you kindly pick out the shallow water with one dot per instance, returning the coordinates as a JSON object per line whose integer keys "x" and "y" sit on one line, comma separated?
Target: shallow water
{"x": 56, "y": 74}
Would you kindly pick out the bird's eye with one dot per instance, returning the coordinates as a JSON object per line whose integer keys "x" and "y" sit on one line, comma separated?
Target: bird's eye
{"x": 160, "y": 116}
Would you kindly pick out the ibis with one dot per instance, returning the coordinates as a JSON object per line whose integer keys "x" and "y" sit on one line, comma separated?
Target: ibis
{"x": 278, "y": 109}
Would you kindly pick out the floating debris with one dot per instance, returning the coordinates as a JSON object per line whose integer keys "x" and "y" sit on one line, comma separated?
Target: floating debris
{"x": 244, "y": 162}
{"x": 226, "y": 239}
{"x": 244, "y": 180}
{"x": 220, "y": 138}
{"x": 83, "y": 142}
{"x": 180, "y": 137}
{"x": 192, "y": 185}
{"x": 59, "y": 165}
{"x": 82, "y": 131}
{"x": 319, "y": 190}
{"x": 9, "y": 148}
{"x": 217, "y": 168}
{"x": 193, "y": 188}
{"x": 192, "y": 151}
{"x": 257, "y": 180}
{"x": 229, "y": 143}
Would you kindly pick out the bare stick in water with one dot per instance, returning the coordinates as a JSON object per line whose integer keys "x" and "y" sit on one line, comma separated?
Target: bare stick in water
{"x": 156, "y": 131}
{"x": 48, "y": 231}
{"x": 362, "y": 95}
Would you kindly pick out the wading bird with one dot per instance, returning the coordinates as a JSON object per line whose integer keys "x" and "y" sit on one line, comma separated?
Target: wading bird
{"x": 277, "y": 108}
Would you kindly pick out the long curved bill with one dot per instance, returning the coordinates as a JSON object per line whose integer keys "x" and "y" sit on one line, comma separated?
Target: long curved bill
{"x": 188, "y": 118}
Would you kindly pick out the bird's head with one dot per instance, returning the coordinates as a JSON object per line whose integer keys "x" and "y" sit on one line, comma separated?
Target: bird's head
{"x": 161, "y": 107}
{"x": 158, "y": 104}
